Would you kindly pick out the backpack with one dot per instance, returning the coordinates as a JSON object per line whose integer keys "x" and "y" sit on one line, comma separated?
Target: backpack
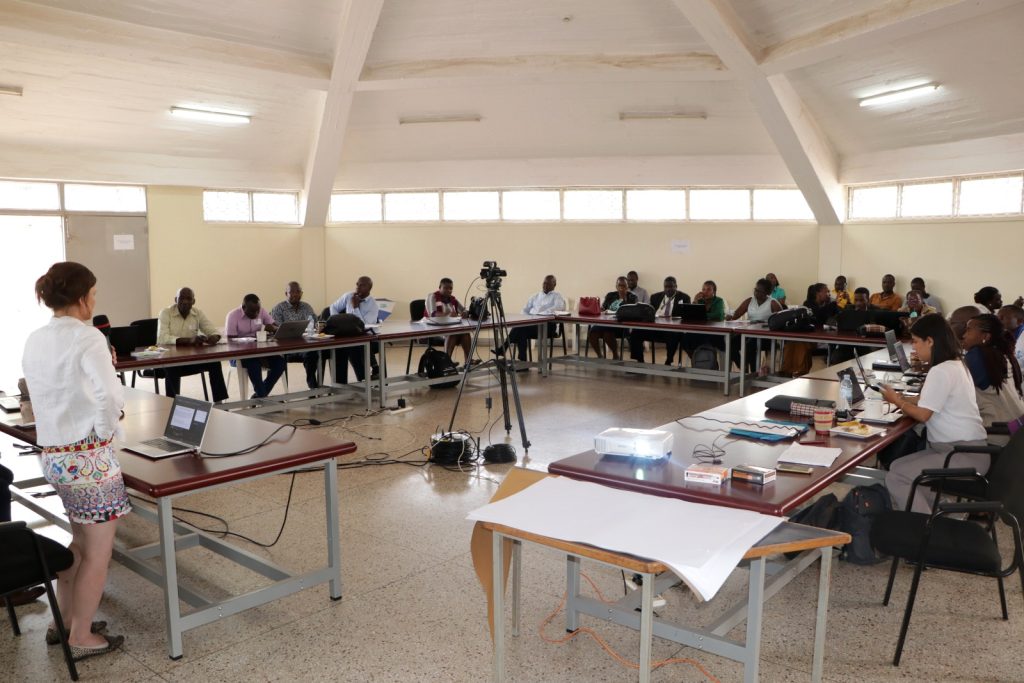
{"x": 705, "y": 357}
{"x": 344, "y": 325}
{"x": 857, "y": 513}
{"x": 434, "y": 364}
{"x": 635, "y": 313}
{"x": 478, "y": 308}
{"x": 823, "y": 513}
{"x": 797, "y": 319}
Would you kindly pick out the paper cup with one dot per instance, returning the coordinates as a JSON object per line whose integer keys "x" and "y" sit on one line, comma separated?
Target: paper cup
{"x": 823, "y": 419}
{"x": 261, "y": 336}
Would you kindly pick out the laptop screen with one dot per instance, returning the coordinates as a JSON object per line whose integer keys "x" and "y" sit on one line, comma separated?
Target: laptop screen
{"x": 890, "y": 343}
{"x": 188, "y": 420}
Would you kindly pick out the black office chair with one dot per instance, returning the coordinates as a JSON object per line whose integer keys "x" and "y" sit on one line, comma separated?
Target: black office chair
{"x": 29, "y": 560}
{"x": 938, "y": 541}
{"x": 147, "y": 329}
{"x": 555, "y": 331}
{"x": 417, "y": 308}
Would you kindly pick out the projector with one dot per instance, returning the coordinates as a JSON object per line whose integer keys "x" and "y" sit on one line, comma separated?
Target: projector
{"x": 653, "y": 444}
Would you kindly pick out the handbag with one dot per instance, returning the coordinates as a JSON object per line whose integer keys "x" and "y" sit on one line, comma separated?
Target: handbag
{"x": 590, "y": 305}
{"x": 635, "y": 313}
{"x": 796, "y": 319}
{"x": 344, "y": 325}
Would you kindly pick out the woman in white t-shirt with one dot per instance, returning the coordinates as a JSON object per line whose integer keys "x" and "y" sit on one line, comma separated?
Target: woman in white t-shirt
{"x": 948, "y": 408}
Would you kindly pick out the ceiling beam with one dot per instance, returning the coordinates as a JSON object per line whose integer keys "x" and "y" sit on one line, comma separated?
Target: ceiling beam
{"x": 806, "y": 151}
{"x": 877, "y": 28}
{"x": 358, "y": 22}
{"x": 71, "y": 32}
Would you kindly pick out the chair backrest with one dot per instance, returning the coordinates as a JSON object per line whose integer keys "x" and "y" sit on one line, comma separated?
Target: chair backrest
{"x": 417, "y": 307}
{"x": 326, "y": 313}
{"x": 1006, "y": 478}
{"x": 23, "y": 560}
{"x": 125, "y": 339}
{"x": 146, "y": 331}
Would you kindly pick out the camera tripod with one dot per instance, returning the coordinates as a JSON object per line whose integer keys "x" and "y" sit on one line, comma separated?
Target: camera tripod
{"x": 505, "y": 365}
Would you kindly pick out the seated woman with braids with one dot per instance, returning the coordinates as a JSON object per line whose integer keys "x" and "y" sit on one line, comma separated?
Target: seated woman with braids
{"x": 997, "y": 377}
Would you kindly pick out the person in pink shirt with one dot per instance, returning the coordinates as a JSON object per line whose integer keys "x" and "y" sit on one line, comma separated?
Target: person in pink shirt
{"x": 246, "y": 321}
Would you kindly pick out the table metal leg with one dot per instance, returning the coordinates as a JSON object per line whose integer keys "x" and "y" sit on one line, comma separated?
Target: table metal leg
{"x": 743, "y": 365}
{"x": 333, "y": 527}
{"x": 367, "y": 373}
{"x": 542, "y": 350}
{"x": 172, "y": 611}
{"x": 824, "y": 579}
{"x": 646, "y": 627}
{"x": 727, "y": 364}
{"x": 517, "y": 580}
{"x": 383, "y": 377}
{"x": 497, "y": 597}
{"x": 755, "y": 609}
{"x": 572, "y": 592}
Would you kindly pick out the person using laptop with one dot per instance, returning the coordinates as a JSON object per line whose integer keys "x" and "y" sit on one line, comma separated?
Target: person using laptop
{"x": 359, "y": 303}
{"x": 294, "y": 309}
{"x": 947, "y": 406}
{"x": 758, "y": 308}
{"x": 664, "y": 304}
{"x": 862, "y": 299}
{"x": 443, "y": 304}
{"x": 610, "y": 336}
{"x": 887, "y": 299}
{"x": 182, "y": 324}
{"x": 544, "y": 302}
{"x": 714, "y": 305}
{"x": 997, "y": 377}
{"x": 245, "y": 321}
{"x": 633, "y": 279}
{"x": 78, "y": 401}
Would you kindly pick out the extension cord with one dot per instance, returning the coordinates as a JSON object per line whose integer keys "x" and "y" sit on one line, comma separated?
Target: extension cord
{"x": 658, "y": 602}
{"x": 396, "y": 411}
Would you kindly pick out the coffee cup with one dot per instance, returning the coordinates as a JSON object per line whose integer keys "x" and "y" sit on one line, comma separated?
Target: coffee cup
{"x": 261, "y": 335}
{"x": 823, "y": 419}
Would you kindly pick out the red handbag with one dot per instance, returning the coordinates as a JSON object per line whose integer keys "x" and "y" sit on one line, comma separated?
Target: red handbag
{"x": 590, "y": 305}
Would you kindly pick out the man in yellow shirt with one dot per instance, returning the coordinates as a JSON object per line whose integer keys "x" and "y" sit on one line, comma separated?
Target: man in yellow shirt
{"x": 184, "y": 325}
{"x": 887, "y": 299}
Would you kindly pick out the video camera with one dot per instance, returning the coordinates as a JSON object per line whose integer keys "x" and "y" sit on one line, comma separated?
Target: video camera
{"x": 492, "y": 274}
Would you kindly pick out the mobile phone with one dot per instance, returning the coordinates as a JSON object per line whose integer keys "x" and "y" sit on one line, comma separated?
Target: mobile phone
{"x": 794, "y": 469}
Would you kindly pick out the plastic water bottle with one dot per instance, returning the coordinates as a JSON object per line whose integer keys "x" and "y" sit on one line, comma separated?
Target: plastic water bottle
{"x": 845, "y": 396}
{"x": 311, "y": 327}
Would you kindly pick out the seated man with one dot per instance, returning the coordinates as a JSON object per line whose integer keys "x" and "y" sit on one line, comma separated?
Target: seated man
{"x": 861, "y": 299}
{"x": 887, "y": 299}
{"x": 442, "y": 304}
{"x": 663, "y": 302}
{"x": 246, "y": 321}
{"x": 544, "y": 302}
{"x": 360, "y": 304}
{"x": 633, "y": 280}
{"x": 292, "y": 309}
{"x": 185, "y": 325}
{"x": 917, "y": 284}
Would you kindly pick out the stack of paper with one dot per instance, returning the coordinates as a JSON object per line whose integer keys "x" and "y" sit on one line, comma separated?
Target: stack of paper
{"x": 815, "y": 456}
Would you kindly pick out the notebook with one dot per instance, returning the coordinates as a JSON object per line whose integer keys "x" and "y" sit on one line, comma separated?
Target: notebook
{"x": 184, "y": 433}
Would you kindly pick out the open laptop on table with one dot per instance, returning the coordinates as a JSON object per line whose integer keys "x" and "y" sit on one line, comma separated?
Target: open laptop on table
{"x": 858, "y": 402}
{"x": 293, "y": 329}
{"x": 691, "y": 313}
{"x": 184, "y": 433}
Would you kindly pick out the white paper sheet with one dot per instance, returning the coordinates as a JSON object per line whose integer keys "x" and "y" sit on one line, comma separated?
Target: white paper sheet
{"x": 816, "y": 456}
{"x": 702, "y": 544}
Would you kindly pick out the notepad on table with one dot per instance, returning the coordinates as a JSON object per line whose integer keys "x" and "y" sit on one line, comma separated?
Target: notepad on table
{"x": 815, "y": 456}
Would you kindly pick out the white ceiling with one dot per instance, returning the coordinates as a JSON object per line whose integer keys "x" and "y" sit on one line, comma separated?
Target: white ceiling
{"x": 548, "y": 78}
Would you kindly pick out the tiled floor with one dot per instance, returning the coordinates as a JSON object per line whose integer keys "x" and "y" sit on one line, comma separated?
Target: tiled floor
{"x": 413, "y": 610}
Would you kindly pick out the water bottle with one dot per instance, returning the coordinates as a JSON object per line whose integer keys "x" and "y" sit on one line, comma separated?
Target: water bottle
{"x": 311, "y": 327}
{"x": 845, "y": 397}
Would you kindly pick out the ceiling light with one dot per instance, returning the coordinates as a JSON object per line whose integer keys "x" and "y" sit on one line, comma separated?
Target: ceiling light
{"x": 899, "y": 95}
{"x": 441, "y": 118}
{"x": 210, "y": 116}
{"x": 656, "y": 115}
{"x": 14, "y": 90}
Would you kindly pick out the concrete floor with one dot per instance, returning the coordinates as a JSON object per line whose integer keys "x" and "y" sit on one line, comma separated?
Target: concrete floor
{"x": 412, "y": 607}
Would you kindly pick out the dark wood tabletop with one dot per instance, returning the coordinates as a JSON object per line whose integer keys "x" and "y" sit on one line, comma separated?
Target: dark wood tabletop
{"x": 663, "y": 324}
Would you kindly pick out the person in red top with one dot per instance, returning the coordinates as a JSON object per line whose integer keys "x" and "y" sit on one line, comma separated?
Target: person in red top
{"x": 442, "y": 304}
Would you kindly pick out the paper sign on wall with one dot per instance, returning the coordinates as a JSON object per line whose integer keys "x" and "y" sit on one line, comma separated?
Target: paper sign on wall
{"x": 680, "y": 246}
{"x": 124, "y": 242}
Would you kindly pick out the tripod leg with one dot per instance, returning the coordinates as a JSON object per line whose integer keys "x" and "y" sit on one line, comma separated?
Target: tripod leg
{"x": 519, "y": 412}
{"x": 503, "y": 373}
{"x": 465, "y": 376}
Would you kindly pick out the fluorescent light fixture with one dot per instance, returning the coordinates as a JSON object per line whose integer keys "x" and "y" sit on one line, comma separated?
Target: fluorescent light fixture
{"x": 440, "y": 118}
{"x": 657, "y": 115}
{"x": 14, "y": 90}
{"x": 899, "y": 95}
{"x": 210, "y": 116}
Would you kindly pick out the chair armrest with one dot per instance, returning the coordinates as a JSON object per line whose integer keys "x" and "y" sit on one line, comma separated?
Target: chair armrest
{"x": 947, "y": 472}
{"x": 974, "y": 506}
{"x": 998, "y": 429}
{"x": 988, "y": 448}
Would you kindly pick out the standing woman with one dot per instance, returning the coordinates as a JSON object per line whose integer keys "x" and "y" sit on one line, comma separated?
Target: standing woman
{"x": 77, "y": 401}
{"x": 948, "y": 408}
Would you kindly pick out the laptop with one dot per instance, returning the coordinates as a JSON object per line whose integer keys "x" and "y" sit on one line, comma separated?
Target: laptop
{"x": 293, "y": 329}
{"x": 691, "y": 313}
{"x": 858, "y": 394}
{"x": 184, "y": 433}
{"x": 894, "y": 363}
{"x": 850, "y": 320}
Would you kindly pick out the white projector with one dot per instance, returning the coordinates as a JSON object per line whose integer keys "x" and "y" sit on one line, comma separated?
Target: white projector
{"x": 653, "y": 444}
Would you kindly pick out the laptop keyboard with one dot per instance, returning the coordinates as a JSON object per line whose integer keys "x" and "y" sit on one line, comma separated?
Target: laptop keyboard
{"x": 164, "y": 444}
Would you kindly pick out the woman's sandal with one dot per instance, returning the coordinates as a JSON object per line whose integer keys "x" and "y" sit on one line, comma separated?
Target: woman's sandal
{"x": 53, "y": 638}
{"x": 78, "y": 653}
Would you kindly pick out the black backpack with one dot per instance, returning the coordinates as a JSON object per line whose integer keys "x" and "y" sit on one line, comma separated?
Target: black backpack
{"x": 478, "y": 308}
{"x": 858, "y": 511}
{"x": 823, "y": 513}
{"x": 705, "y": 357}
{"x": 344, "y": 325}
{"x": 434, "y": 364}
{"x": 635, "y": 313}
{"x": 796, "y": 319}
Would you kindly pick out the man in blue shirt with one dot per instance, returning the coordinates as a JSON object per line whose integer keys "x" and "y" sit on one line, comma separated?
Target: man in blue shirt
{"x": 358, "y": 303}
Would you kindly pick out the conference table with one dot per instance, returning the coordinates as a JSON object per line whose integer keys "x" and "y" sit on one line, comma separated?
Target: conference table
{"x": 165, "y": 480}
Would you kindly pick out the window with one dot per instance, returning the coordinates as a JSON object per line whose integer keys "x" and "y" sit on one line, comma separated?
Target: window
{"x": 275, "y": 207}
{"x": 412, "y": 206}
{"x": 26, "y": 196}
{"x": 226, "y": 206}
{"x": 927, "y": 199}
{"x": 982, "y": 196}
{"x": 471, "y": 206}
{"x": 655, "y": 205}
{"x": 718, "y": 205}
{"x": 778, "y": 205}
{"x": 126, "y": 198}
{"x": 356, "y": 208}
{"x": 591, "y": 205}
{"x": 531, "y": 205}
{"x": 873, "y": 202}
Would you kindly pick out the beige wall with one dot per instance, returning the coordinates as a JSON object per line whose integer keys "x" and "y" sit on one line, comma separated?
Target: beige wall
{"x": 220, "y": 262}
{"x": 955, "y": 259}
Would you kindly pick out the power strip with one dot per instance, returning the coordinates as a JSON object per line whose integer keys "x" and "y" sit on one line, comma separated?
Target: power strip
{"x": 396, "y": 411}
